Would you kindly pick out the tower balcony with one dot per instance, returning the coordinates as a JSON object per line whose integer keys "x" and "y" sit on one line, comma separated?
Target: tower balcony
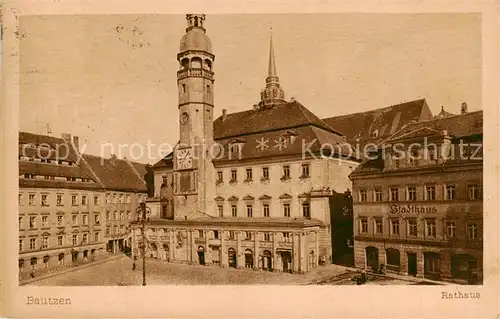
{"x": 198, "y": 72}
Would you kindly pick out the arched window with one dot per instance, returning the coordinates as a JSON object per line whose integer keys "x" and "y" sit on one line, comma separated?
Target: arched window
{"x": 196, "y": 63}
{"x": 208, "y": 64}
{"x": 393, "y": 257}
{"x": 185, "y": 63}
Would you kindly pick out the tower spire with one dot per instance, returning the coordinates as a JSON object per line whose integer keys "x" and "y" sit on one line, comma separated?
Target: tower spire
{"x": 273, "y": 94}
{"x": 272, "y": 64}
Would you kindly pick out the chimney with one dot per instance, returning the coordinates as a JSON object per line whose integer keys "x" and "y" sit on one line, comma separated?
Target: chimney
{"x": 76, "y": 143}
{"x": 224, "y": 114}
{"x": 292, "y": 99}
{"x": 463, "y": 109}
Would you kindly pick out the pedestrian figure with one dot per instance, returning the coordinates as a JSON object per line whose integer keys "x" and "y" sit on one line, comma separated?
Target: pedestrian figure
{"x": 32, "y": 274}
{"x": 133, "y": 266}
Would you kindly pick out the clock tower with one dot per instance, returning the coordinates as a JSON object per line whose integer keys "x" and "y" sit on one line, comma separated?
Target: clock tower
{"x": 193, "y": 169}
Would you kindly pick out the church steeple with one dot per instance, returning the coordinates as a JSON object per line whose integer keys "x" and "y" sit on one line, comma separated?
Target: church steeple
{"x": 273, "y": 94}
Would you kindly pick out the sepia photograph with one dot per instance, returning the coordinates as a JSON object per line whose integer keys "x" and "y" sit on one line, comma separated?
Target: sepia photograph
{"x": 260, "y": 149}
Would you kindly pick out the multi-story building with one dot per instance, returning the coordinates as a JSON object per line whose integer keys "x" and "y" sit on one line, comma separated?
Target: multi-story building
{"x": 62, "y": 202}
{"x": 250, "y": 189}
{"x": 417, "y": 201}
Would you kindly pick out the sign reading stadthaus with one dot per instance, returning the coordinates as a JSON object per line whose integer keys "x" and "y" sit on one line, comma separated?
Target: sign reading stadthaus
{"x": 411, "y": 209}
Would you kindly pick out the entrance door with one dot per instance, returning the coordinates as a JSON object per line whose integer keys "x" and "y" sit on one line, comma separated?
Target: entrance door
{"x": 201, "y": 257}
{"x": 412, "y": 264}
{"x": 286, "y": 258}
{"x": 372, "y": 257}
{"x": 267, "y": 261}
{"x": 231, "y": 254}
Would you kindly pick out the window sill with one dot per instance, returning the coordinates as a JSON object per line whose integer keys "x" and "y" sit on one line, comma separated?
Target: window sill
{"x": 284, "y": 179}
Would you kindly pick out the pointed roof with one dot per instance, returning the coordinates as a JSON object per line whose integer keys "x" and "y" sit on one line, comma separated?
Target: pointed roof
{"x": 271, "y": 72}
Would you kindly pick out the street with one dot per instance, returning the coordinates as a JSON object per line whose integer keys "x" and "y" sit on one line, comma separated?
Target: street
{"x": 118, "y": 272}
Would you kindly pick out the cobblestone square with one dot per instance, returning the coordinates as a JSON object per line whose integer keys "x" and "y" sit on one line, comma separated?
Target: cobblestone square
{"x": 118, "y": 272}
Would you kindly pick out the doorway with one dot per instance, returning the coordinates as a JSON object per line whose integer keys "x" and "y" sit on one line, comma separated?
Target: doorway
{"x": 412, "y": 264}
{"x": 231, "y": 255}
{"x": 201, "y": 255}
{"x": 372, "y": 257}
{"x": 286, "y": 258}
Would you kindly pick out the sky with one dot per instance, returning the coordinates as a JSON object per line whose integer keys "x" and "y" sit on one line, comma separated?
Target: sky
{"x": 83, "y": 75}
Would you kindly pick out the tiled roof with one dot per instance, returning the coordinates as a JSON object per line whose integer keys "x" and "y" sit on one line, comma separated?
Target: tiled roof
{"x": 59, "y": 147}
{"x": 165, "y": 162}
{"x": 41, "y": 183}
{"x": 53, "y": 170}
{"x": 116, "y": 174}
{"x": 457, "y": 126}
{"x": 385, "y": 120}
{"x": 243, "y": 222}
{"x": 279, "y": 117}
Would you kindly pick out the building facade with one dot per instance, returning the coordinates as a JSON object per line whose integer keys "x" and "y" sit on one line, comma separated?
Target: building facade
{"x": 418, "y": 206}
{"x": 63, "y": 204}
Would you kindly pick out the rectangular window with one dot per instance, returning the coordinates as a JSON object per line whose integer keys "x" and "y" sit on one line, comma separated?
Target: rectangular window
{"x": 305, "y": 170}
{"x": 216, "y": 234}
{"x": 60, "y": 220}
{"x": 378, "y": 226}
{"x": 108, "y": 230}
{"x": 127, "y": 199}
{"x": 412, "y": 193}
{"x": 84, "y": 200}
{"x": 97, "y": 219}
{"x": 450, "y": 192}
{"x": 220, "y": 209}
{"x": 472, "y": 230}
{"x": 234, "y": 210}
{"x": 20, "y": 199}
{"x": 430, "y": 192}
{"x": 394, "y": 227}
{"x": 286, "y": 171}
{"x": 45, "y": 243}
{"x": 96, "y": 237}
{"x": 122, "y": 198}
{"x": 412, "y": 227}
{"x": 362, "y": 195}
{"x": 249, "y": 210}
{"x": 122, "y": 229}
{"x": 394, "y": 194}
{"x": 74, "y": 220}
{"x": 378, "y": 195}
{"x": 75, "y": 240}
{"x": 59, "y": 241}
{"x": 45, "y": 201}
{"x": 306, "y": 210}
{"x": 286, "y": 210}
{"x": 231, "y": 234}
{"x": 74, "y": 200}
{"x": 248, "y": 235}
{"x": 267, "y": 237}
{"x": 430, "y": 228}
{"x": 32, "y": 222}
{"x": 220, "y": 177}
{"x": 451, "y": 227}
{"x": 129, "y": 215}
{"x": 31, "y": 199}
{"x": 45, "y": 221}
{"x": 108, "y": 198}
{"x": 122, "y": 216}
{"x": 59, "y": 199}
{"x": 32, "y": 243}
{"x": 363, "y": 225}
{"x": 234, "y": 175}
{"x": 472, "y": 191}
{"x": 114, "y": 216}
{"x": 249, "y": 174}
{"x": 21, "y": 245}
{"x": 20, "y": 223}
{"x": 96, "y": 200}
{"x": 107, "y": 215}
{"x": 265, "y": 173}
{"x": 85, "y": 219}
{"x": 266, "y": 210}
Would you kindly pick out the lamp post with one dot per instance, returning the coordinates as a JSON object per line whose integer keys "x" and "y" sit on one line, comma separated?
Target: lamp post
{"x": 143, "y": 212}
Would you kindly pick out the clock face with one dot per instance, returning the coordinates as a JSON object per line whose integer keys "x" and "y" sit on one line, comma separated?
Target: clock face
{"x": 184, "y": 158}
{"x": 184, "y": 118}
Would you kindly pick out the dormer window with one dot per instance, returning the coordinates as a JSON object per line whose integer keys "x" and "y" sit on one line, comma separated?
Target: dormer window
{"x": 235, "y": 150}
{"x": 375, "y": 133}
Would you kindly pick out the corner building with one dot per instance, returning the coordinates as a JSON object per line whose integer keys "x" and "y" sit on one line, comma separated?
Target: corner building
{"x": 420, "y": 213}
{"x": 249, "y": 189}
